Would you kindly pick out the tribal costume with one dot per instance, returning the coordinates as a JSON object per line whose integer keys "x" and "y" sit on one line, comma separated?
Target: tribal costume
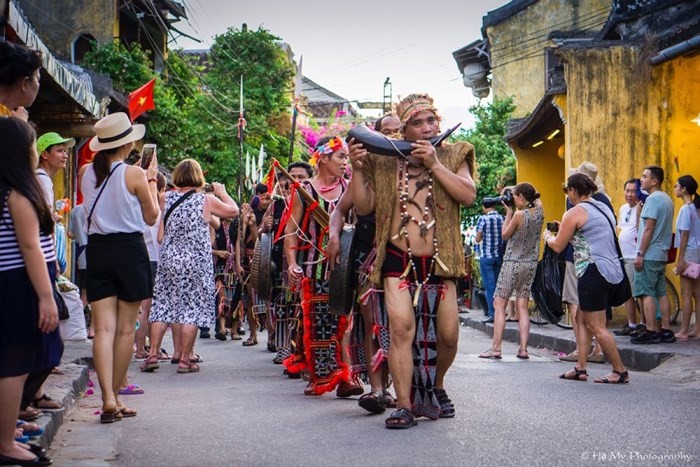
{"x": 423, "y": 277}
{"x": 226, "y": 274}
{"x": 281, "y": 303}
{"x": 319, "y": 351}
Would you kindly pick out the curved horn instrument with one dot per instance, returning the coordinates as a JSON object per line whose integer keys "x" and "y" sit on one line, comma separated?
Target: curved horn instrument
{"x": 378, "y": 143}
{"x": 320, "y": 214}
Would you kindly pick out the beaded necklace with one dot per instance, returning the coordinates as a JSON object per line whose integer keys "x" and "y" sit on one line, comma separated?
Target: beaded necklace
{"x": 425, "y": 223}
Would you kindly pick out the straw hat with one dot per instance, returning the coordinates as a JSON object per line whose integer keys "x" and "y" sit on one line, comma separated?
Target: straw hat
{"x": 590, "y": 169}
{"x": 115, "y": 130}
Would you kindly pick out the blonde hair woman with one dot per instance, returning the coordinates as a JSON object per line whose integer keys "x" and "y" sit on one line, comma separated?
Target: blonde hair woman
{"x": 185, "y": 291}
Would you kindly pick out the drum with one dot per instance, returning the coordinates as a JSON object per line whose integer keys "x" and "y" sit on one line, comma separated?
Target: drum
{"x": 343, "y": 280}
{"x": 262, "y": 267}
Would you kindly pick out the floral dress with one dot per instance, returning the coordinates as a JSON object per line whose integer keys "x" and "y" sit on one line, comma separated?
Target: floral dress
{"x": 184, "y": 290}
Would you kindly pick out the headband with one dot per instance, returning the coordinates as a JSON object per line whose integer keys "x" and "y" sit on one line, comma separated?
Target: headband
{"x": 330, "y": 147}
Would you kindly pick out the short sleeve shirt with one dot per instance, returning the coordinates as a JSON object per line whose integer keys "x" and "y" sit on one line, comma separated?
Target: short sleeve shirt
{"x": 658, "y": 206}
{"x": 627, "y": 222}
{"x": 688, "y": 221}
{"x": 490, "y": 225}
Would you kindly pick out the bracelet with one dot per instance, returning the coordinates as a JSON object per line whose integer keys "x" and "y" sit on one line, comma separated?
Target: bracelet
{"x": 152, "y": 180}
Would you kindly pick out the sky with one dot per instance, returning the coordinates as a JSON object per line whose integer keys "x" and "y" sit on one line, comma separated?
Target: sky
{"x": 350, "y": 48}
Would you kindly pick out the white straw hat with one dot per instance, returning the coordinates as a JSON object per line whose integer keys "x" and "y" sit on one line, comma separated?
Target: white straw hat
{"x": 115, "y": 130}
{"x": 590, "y": 169}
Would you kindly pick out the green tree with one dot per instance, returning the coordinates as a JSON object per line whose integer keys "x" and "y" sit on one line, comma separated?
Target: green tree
{"x": 495, "y": 160}
{"x": 267, "y": 80}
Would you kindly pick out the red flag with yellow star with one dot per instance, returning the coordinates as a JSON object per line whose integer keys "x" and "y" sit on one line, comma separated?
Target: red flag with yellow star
{"x": 141, "y": 100}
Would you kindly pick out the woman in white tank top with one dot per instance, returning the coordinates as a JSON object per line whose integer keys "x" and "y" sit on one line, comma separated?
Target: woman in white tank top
{"x": 119, "y": 201}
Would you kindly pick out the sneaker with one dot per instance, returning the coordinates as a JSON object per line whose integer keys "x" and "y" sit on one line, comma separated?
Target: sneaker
{"x": 667, "y": 336}
{"x": 638, "y": 331}
{"x": 204, "y": 335}
{"x": 626, "y": 331}
{"x": 649, "y": 337}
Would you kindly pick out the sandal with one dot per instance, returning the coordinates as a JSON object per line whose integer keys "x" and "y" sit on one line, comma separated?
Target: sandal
{"x": 163, "y": 355}
{"x": 388, "y": 399}
{"x": 250, "y": 342}
{"x": 140, "y": 355}
{"x": 400, "y": 419}
{"x": 29, "y": 414}
{"x": 522, "y": 354}
{"x": 131, "y": 390}
{"x": 373, "y": 402}
{"x": 46, "y": 403}
{"x": 579, "y": 375}
{"x": 150, "y": 365}
{"x": 191, "y": 367}
{"x": 126, "y": 412}
{"x": 29, "y": 429}
{"x": 236, "y": 337}
{"x": 447, "y": 408}
{"x": 490, "y": 353}
{"x": 108, "y": 416}
{"x": 624, "y": 378}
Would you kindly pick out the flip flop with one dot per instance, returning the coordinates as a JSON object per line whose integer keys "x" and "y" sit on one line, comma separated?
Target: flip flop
{"x": 38, "y": 431}
{"x": 131, "y": 390}
{"x": 126, "y": 412}
{"x": 490, "y": 353}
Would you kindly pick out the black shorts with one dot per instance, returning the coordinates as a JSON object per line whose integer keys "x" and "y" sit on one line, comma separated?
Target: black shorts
{"x": 118, "y": 266}
{"x": 594, "y": 290}
{"x": 81, "y": 279}
{"x": 396, "y": 261}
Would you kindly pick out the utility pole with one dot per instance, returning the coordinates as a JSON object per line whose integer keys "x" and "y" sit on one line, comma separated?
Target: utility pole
{"x": 386, "y": 105}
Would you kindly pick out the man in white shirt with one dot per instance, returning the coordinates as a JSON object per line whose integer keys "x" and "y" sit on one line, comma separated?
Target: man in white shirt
{"x": 627, "y": 222}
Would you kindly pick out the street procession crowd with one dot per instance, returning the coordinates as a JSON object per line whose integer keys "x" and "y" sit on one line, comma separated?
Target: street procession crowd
{"x": 188, "y": 259}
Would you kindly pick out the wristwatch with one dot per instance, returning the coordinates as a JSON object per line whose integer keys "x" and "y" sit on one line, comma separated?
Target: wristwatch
{"x": 639, "y": 253}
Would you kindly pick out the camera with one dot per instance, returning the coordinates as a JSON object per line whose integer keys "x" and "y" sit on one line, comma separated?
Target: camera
{"x": 553, "y": 227}
{"x": 208, "y": 188}
{"x": 506, "y": 198}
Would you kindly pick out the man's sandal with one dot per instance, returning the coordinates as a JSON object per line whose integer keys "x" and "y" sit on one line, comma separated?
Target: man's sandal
{"x": 400, "y": 419}
{"x": 624, "y": 378}
{"x": 447, "y": 408}
{"x": 373, "y": 402}
{"x": 579, "y": 375}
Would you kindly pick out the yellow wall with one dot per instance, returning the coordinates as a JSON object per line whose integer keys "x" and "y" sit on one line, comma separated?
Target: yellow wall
{"x": 543, "y": 168}
{"x": 517, "y": 46}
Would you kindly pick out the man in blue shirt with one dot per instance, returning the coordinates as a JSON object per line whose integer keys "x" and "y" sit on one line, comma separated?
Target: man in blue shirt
{"x": 488, "y": 229}
{"x": 653, "y": 242}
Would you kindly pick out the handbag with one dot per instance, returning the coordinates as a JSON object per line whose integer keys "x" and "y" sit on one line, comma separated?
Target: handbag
{"x": 63, "y": 313}
{"x": 672, "y": 251}
{"x": 623, "y": 291}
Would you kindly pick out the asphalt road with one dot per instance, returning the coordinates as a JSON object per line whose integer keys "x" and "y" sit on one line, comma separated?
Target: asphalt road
{"x": 241, "y": 411}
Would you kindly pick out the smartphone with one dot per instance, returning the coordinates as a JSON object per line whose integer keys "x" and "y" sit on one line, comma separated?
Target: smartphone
{"x": 147, "y": 154}
{"x": 641, "y": 194}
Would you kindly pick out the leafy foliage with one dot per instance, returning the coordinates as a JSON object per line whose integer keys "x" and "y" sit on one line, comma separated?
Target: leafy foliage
{"x": 495, "y": 160}
{"x": 196, "y": 112}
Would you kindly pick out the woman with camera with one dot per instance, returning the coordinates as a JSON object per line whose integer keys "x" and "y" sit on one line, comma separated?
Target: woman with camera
{"x": 521, "y": 228}
{"x": 589, "y": 227}
{"x": 184, "y": 290}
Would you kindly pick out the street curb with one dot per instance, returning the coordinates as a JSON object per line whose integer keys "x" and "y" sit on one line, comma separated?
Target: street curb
{"x": 65, "y": 388}
{"x": 634, "y": 357}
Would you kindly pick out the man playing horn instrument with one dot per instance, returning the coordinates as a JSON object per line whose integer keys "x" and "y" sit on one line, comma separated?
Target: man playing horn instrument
{"x": 419, "y": 254}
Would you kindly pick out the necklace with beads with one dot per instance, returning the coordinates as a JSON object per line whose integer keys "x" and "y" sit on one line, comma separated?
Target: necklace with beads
{"x": 425, "y": 223}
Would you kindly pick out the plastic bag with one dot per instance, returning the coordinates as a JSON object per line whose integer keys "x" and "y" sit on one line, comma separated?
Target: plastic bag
{"x": 547, "y": 286}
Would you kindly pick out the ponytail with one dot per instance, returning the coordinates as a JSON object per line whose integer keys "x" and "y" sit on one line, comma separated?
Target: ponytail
{"x": 100, "y": 165}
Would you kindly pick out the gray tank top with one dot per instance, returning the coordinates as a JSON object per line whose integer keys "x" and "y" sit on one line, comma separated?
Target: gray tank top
{"x": 595, "y": 243}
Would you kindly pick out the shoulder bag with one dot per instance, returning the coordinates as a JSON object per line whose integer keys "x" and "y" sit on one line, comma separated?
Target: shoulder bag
{"x": 176, "y": 204}
{"x": 104, "y": 184}
{"x": 623, "y": 291}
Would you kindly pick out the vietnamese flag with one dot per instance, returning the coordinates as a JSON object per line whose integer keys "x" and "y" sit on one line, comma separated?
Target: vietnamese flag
{"x": 141, "y": 100}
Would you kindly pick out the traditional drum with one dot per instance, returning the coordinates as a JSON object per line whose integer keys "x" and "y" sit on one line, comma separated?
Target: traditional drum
{"x": 262, "y": 266}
